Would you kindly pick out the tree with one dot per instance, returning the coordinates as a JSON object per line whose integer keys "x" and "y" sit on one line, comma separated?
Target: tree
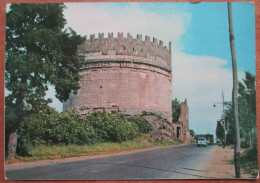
{"x": 192, "y": 133}
{"x": 247, "y": 113}
{"x": 176, "y": 109}
{"x": 247, "y": 108}
{"x": 39, "y": 53}
{"x": 229, "y": 118}
{"x": 220, "y": 131}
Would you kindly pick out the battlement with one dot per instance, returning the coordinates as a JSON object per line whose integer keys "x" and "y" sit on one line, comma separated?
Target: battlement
{"x": 128, "y": 46}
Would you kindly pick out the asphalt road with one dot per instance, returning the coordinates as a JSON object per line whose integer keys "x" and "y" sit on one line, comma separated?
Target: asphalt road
{"x": 177, "y": 162}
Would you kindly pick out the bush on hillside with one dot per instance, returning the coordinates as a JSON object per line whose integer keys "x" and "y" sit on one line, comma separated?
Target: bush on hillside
{"x": 142, "y": 124}
{"x": 49, "y": 127}
{"x": 112, "y": 127}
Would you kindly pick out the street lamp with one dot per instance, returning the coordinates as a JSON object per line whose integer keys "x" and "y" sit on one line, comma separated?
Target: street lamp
{"x": 224, "y": 124}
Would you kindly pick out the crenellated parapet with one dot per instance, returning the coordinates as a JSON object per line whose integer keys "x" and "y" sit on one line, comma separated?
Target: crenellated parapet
{"x": 133, "y": 49}
{"x": 128, "y": 75}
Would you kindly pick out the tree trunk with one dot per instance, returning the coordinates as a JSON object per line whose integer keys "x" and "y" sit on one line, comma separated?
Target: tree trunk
{"x": 13, "y": 137}
{"x": 250, "y": 138}
{"x": 234, "y": 94}
{"x": 12, "y": 144}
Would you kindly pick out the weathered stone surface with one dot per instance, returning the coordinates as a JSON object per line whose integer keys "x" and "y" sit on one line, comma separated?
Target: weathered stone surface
{"x": 128, "y": 46}
{"x": 181, "y": 127}
{"x": 161, "y": 128}
{"x": 126, "y": 75}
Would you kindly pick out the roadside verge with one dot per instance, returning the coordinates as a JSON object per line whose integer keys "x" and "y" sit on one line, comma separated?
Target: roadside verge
{"x": 221, "y": 166}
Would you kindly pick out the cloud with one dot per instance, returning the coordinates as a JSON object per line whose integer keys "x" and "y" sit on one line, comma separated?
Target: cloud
{"x": 201, "y": 79}
{"x": 88, "y": 18}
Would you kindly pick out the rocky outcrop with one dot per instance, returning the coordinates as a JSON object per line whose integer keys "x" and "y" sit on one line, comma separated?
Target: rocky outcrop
{"x": 161, "y": 128}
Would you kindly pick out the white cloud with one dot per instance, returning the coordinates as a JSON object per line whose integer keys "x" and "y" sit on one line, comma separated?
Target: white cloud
{"x": 88, "y": 18}
{"x": 201, "y": 79}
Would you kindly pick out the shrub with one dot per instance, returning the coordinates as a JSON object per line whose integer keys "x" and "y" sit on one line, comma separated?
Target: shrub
{"x": 49, "y": 127}
{"x": 250, "y": 154}
{"x": 249, "y": 161}
{"x": 74, "y": 128}
{"x": 142, "y": 124}
{"x": 112, "y": 127}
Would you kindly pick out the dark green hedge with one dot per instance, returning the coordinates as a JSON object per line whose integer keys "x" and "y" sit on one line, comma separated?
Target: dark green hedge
{"x": 50, "y": 128}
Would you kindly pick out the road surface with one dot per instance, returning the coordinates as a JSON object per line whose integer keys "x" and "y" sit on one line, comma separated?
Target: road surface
{"x": 177, "y": 162}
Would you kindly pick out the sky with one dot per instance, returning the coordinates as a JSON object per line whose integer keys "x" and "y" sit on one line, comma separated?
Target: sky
{"x": 201, "y": 58}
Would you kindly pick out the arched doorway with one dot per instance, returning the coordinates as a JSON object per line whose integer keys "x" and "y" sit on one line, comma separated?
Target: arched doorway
{"x": 178, "y": 132}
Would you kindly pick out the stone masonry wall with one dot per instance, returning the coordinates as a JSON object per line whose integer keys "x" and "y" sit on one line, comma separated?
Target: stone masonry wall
{"x": 124, "y": 74}
{"x": 183, "y": 123}
{"x": 184, "y": 116}
{"x": 129, "y": 47}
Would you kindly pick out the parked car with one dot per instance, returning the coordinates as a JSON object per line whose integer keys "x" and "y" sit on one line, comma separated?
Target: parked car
{"x": 202, "y": 141}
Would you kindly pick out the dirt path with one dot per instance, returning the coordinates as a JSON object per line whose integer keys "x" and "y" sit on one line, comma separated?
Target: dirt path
{"x": 221, "y": 166}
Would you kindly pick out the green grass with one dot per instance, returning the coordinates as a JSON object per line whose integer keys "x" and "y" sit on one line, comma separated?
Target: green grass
{"x": 43, "y": 152}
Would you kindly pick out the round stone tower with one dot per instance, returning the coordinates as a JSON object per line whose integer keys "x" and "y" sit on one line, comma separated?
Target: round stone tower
{"x": 126, "y": 75}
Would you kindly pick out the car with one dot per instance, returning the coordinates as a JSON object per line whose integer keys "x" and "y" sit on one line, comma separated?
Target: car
{"x": 202, "y": 141}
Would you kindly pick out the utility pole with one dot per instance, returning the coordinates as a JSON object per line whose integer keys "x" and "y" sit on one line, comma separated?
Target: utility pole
{"x": 224, "y": 117}
{"x": 234, "y": 93}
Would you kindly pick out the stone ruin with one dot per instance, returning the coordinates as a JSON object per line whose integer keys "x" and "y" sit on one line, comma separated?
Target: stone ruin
{"x": 181, "y": 126}
{"x": 126, "y": 75}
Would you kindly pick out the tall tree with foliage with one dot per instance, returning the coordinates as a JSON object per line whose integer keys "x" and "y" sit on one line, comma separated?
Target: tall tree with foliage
{"x": 228, "y": 117}
{"x": 39, "y": 53}
{"x": 247, "y": 112}
{"x": 176, "y": 109}
{"x": 192, "y": 133}
{"x": 247, "y": 109}
{"x": 220, "y": 131}
{"x": 230, "y": 128}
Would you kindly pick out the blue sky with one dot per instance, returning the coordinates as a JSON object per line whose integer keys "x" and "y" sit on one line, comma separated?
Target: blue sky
{"x": 209, "y": 26}
{"x": 207, "y": 32}
{"x": 201, "y": 59}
